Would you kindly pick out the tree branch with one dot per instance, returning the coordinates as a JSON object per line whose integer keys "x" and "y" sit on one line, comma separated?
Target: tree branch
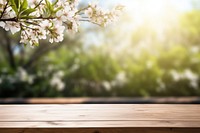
{"x": 11, "y": 58}
{"x": 42, "y": 50}
{"x": 4, "y": 9}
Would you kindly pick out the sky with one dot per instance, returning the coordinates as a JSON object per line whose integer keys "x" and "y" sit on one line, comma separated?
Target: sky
{"x": 143, "y": 10}
{"x": 135, "y": 4}
{"x": 156, "y": 13}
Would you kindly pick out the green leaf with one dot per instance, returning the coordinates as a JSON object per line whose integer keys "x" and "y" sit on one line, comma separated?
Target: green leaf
{"x": 36, "y": 44}
{"x": 57, "y": 9}
{"x": 25, "y": 45}
{"x": 28, "y": 11}
{"x": 26, "y": 17}
{"x": 13, "y": 5}
{"x": 17, "y": 3}
{"x": 54, "y": 3}
{"x": 49, "y": 6}
{"x": 24, "y": 5}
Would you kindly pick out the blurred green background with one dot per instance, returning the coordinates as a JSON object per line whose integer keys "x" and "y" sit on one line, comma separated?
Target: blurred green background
{"x": 153, "y": 50}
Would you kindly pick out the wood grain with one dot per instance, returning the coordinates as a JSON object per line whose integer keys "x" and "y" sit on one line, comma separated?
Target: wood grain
{"x": 100, "y": 118}
{"x": 100, "y": 130}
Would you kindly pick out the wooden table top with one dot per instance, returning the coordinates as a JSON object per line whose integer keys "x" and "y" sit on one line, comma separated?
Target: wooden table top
{"x": 99, "y": 115}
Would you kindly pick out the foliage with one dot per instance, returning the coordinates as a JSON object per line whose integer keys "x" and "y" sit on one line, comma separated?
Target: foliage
{"x": 172, "y": 68}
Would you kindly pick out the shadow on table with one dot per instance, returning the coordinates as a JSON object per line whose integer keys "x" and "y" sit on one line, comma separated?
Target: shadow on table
{"x": 116, "y": 100}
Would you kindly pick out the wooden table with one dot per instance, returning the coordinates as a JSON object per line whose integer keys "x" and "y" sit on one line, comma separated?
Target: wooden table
{"x": 100, "y": 118}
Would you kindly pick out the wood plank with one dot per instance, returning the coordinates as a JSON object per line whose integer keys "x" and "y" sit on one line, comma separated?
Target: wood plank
{"x": 97, "y": 124}
{"x": 174, "y": 115}
{"x": 101, "y": 130}
{"x": 99, "y": 112}
{"x": 106, "y": 118}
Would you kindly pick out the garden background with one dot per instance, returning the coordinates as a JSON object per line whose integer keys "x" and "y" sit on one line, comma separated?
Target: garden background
{"x": 153, "y": 50}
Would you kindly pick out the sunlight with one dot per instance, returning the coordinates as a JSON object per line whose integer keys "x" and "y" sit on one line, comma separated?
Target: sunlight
{"x": 147, "y": 21}
{"x": 152, "y": 50}
{"x": 155, "y": 13}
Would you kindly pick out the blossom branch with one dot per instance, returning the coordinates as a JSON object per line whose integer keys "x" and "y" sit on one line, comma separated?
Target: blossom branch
{"x": 9, "y": 19}
{"x": 4, "y": 9}
{"x": 87, "y": 20}
{"x": 11, "y": 58}
{"x": 38, "y": 4}
{"x": 43, "y": 19}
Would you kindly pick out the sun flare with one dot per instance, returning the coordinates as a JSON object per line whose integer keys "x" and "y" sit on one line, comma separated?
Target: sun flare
{"x": 155, "y": 13}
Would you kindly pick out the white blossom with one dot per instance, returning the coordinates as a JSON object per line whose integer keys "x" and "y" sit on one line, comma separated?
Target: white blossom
{"x": 102, "y": 17}
{"x": 192, "y": 77}
{"x": 120, "y": 79}
{"x": 57, "y": 82}
{"x": 188, "y": 75}
{"x": 59, "y": 74}
{"x": 12, "y": 26}
{"x": 2, "y": 4}
{"x": 161, "y": 85}
{"x": 48, "y": 19}
{"x": 33, "y": 3}
{"x": 107, "y": 85}
{"x": 175, "y": 75}
{"x": 56, "y": 34}
{"x": 2, "y": 24}
{"x": 23, "y": 76}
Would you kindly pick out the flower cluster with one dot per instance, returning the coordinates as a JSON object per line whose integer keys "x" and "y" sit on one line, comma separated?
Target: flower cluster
{"x": 98, "y": 16}
{"x": 188, "y": 75}
{"x": 56, "y": 81}
{"x": 49, "y": 19}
